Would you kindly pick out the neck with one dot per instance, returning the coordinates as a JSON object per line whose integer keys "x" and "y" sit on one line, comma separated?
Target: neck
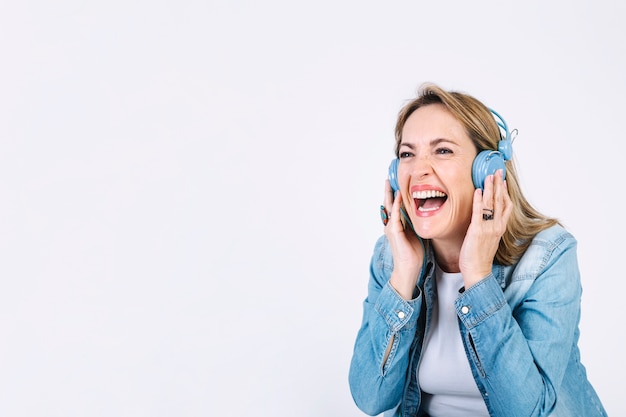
{"x": 447, "y": 255}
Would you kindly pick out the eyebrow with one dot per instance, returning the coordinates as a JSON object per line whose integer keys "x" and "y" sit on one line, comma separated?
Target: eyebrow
{"x": 433, "y": 142}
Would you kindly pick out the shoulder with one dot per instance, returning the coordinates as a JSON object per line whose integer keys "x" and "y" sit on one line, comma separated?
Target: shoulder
{"x": 552, "y": 245}
{"x": 549, "y": 267}
{"x": 553, "y": 236}
{"x": 382, "y": 253}
{"x": 381, "y": 264}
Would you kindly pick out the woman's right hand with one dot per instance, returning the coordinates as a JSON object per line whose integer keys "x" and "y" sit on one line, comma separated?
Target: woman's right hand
{"x": 406, "y": 248}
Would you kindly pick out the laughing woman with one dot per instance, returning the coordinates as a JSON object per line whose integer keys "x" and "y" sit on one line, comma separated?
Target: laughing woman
{"x": 474, "y": 296}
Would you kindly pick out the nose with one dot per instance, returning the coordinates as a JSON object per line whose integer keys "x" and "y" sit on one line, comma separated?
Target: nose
{"x": 421, "y": 166}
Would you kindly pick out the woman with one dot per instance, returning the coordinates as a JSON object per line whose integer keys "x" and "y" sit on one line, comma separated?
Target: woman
{"x": 474, "y": 296}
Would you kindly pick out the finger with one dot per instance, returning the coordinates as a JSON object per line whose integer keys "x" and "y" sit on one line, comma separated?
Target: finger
{"x": 503, "y": 202}
{"x": 395, "y": 210}
{"x": 498, "y": 192}
{"x": 488, "y": 193}
{"x": 388, "y": 198}
{"x": 385, "y": 208}
{"x": 477, "y": 207}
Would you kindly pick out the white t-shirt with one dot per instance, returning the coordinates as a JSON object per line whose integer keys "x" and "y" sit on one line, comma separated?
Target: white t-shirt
{"x": 444, "y": 373}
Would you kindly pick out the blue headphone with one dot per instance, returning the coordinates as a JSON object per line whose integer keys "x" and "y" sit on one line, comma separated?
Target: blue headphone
{"x": 486, "y": 162}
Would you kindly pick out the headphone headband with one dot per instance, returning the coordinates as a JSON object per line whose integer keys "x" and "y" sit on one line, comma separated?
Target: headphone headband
{"x": 504, "y": 145}
{"x": 501, "y": 122}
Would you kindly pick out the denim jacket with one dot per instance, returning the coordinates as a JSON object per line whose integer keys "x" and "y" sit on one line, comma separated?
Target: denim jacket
{"x": 519, "y": 327}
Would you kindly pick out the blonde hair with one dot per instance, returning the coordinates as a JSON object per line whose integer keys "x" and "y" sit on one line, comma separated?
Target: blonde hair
{"x": 525, "y": 221}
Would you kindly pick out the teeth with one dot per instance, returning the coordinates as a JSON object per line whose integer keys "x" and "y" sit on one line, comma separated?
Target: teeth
{"x": 427, "y": 194}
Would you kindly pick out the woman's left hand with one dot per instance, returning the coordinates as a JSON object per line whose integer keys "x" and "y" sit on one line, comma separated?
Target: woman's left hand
{"x": 490, "y": 215}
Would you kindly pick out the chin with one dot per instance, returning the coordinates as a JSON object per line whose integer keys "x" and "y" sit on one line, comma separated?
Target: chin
{"x": 424, "y": 233}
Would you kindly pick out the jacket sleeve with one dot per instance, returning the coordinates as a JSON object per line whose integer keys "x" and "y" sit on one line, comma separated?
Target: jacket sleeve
{"x": 521, "y": 350}
{"x": 377, "y": 385}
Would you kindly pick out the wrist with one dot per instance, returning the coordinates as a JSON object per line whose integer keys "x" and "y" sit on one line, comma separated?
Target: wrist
{"x": 404, "y": 283}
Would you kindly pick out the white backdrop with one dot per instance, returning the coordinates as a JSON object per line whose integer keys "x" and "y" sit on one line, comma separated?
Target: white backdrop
{"x": 190, "y": 189}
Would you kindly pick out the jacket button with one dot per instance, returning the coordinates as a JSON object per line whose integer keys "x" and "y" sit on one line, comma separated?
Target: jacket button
{"x": 401, "y": 315}
{"x": 465, "y": 309}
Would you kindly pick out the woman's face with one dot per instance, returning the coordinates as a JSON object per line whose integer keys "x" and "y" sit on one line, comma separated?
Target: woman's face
{"x": 435, "y": 173}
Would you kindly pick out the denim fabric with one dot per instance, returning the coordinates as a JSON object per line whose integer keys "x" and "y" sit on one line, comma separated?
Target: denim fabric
{"x": 519, "y": 327}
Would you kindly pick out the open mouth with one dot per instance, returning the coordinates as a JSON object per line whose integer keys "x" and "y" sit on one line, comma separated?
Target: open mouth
{"x": 429, "y": 200}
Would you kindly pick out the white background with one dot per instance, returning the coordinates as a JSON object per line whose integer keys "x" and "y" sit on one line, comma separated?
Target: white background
{"x": 190, "y": 189}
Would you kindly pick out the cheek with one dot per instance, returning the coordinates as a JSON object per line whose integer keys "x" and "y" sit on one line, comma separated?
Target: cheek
{"x": 465, "y": 173}
{"x": 404, "y": 176}
{"x": 461, "y": 178}
{"x": 463, "y": 191}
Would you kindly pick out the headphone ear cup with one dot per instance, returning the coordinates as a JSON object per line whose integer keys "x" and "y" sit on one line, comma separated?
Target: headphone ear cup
{"x": 393, "y": 175}
{"x": 487, "y": 163}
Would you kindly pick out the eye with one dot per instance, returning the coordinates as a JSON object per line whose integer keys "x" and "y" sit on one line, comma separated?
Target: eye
{"x": 405, "y": 154}
{"x": 443, "y": 151}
